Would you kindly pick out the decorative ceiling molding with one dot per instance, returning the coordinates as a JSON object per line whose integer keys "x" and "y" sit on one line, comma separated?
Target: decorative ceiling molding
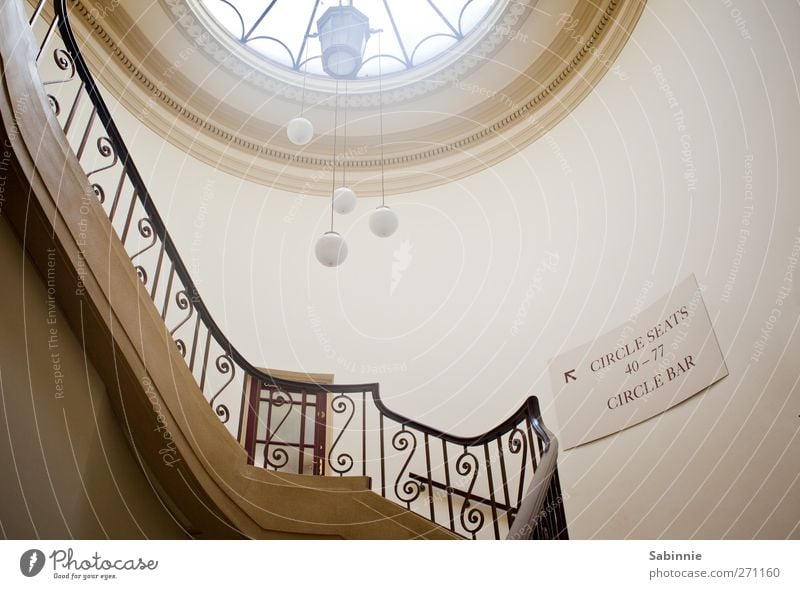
{"x": 488, "y": 133}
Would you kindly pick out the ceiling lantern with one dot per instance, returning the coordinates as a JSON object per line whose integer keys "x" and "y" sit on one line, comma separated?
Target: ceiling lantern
{"x": 343, "y": 32}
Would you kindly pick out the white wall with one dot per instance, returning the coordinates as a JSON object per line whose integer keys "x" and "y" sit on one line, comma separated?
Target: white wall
{"x": 549, "y": 249}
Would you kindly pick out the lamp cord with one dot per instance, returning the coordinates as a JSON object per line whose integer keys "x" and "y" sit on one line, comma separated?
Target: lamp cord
{"x": 344, "y": 139}
{"x": 335, "y": 127}
{"x": 305, "y": 73}
{"x": 380, "y": 115}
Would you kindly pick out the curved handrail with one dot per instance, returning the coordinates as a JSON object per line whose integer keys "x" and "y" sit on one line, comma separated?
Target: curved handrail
{"x": 533, "y": 506}
{"x": 528, "y": 509}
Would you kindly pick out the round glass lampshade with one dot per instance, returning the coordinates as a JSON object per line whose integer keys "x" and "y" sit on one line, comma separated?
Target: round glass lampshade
{"x": 383, "y": 221}
{"x": 331, "y": 249}
{"x": 299, "y": 131}
{"x": 344, "y": 200}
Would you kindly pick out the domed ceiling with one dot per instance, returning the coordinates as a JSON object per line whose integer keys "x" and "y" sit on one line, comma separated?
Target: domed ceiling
{"x": 493, "y": 76}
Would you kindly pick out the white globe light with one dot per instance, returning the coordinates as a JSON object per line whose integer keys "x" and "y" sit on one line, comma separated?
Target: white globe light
{"x": 344, "y": 200}
{"x": 383, "y": 221}
{"x": 331, "y": 249}
{"x": 300, "y": 131}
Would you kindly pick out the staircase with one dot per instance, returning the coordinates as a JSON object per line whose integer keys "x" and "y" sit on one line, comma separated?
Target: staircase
{"x": 234, "y": 451}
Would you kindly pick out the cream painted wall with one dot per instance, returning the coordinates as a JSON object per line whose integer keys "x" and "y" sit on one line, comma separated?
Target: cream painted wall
{"x": 651, "y": 179}
{"x": 67, "y": 470}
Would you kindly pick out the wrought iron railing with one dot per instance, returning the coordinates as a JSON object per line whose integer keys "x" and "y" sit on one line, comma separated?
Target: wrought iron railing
{"x": 503, "y": 483}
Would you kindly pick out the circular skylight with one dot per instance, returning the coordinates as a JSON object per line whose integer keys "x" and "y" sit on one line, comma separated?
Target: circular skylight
{"x": 413, "y": 31}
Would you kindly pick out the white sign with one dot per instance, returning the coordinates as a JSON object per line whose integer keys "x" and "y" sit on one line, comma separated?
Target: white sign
{"x": 662, "y": 356}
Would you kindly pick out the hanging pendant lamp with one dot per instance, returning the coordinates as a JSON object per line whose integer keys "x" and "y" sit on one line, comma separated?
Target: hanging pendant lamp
{"x": 344, "y": 198}
{"x": 343, "y": 33}
{"x": 331, "y": 248}
{"x": 300, "y": 130}
{"x": 383, "y": 221}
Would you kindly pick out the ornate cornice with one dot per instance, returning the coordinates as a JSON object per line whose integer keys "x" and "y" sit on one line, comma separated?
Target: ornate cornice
{"x": 598, "y": 46}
